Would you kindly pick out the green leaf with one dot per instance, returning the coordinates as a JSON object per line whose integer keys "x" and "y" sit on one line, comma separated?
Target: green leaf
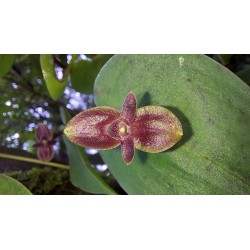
{"x": 213, "y": 106}
{"x": 54, "y": 86}
{"x": 82, "y": 174}
{"x": 6, "y": 62}
{"x": 83, "y": 73}
{"x": 65, "y": 116}
{"x": 10, "y": 186}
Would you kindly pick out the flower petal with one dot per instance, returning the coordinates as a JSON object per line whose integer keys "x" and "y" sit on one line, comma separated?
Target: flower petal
{"x": 129, "y": 108}
{"x": 127, "y": 148}
{"x": 155, "y": 129}
{"x": 45, "y": 153}
{"x": 43, "y": 133}
{"x": 89, "y": 128}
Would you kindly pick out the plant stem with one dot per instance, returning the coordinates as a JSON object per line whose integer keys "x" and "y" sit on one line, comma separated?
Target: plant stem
{"x": 22, "y": 158}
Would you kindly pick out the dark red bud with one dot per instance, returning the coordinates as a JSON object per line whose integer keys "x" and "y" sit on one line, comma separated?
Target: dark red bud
{"x": 43, "y": 133}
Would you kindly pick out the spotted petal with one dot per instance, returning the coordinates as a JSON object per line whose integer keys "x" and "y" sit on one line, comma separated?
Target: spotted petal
{"x": 43, "y": 133}
{"x": 128, "y": 149}
{"x": 155, "y": 129}
{"x": 45, "y": 152}
{"x": 129, "y": 108}
{"x": 89, "y": 128}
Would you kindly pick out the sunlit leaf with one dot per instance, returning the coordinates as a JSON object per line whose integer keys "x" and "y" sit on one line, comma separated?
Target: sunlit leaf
{"x": 6, "y": 62}
{"x": 213, "y": 106}
{"x": 10, "y": 186}
{"x": 55, "y": 86}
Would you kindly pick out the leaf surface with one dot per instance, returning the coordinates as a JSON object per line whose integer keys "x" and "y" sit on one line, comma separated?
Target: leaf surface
{"x": 55, "y": 86}
{"x": 213, "y": 106}
{"x": 84, "y": 73}
{"x": 10, "y": 186}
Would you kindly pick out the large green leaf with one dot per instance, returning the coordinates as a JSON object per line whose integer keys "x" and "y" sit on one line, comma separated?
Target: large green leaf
{"x": 83, "y": 73}
{"x": 6, "y": 62}
{"x": 213, "y": 106}
{"x": 82, "y": 174}
{"x": 55, "y": 87}
{"x": 10, "y": 186}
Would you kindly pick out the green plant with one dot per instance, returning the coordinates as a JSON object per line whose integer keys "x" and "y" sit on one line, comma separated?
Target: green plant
{"x": 211, "y": 102}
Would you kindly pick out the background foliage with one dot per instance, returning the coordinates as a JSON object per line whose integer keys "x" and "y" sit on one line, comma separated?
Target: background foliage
{"x": 30, "y": 95}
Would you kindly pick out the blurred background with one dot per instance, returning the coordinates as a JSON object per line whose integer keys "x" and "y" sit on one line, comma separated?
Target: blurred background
{"x": 25, "y": 102}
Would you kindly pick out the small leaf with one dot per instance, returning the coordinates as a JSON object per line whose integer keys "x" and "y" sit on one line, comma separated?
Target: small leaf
{"x": 84, "y": 73}
{"x": 6, "y": 62}
{"x": 10, "y": 186}
{"x": 54, "y": 86}
{"x": 82, "y": 76}
{"x": 82, "y": 175}
{"x": 65, "y": 116}
{"x": 89, "y": 128}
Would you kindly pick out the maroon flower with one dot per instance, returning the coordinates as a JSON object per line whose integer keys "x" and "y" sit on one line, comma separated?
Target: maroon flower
{"x": 150, "y": 128}
{"x": 45, "y": 142}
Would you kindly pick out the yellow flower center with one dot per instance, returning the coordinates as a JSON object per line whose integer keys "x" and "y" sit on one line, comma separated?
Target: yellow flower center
{"x": 123, "y": 129}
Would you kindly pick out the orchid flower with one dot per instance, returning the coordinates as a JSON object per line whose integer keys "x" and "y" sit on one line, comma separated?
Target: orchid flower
{"x": 151, "y": 128}
{"x": 45, "y": 142}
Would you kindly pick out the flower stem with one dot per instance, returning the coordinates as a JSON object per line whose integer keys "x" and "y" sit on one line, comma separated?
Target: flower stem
{"x": 27, "y": 159}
